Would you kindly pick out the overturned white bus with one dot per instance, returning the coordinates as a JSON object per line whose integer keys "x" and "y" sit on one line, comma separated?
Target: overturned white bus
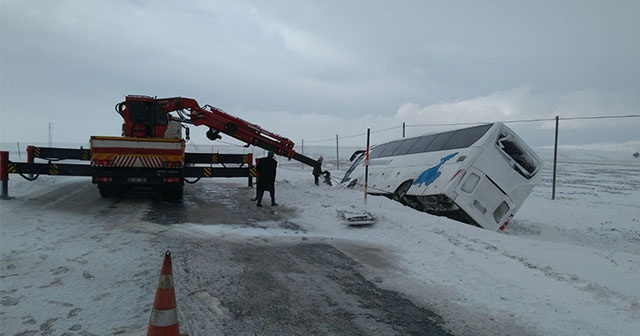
{"x": 479, "y": 175}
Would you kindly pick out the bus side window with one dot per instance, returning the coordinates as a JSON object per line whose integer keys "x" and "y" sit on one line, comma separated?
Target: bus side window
{"x": 375, "y": 151}
{"x": 439, "y": 142}
{"x": 390, "y": 148}
{"x": 466, "y": 137}
{"x": 406, "y": 146}
{"x": 422, "y": 144}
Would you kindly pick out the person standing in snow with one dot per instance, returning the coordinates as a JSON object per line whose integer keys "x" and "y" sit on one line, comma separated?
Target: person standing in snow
{"x": 266, "y": 168}
{"x": 317, "y": 172}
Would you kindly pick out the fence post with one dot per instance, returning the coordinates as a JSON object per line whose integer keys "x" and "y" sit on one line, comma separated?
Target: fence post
{"x": 4, "y": 174}
{"x": 337, "y": 154}
{"x": 555, "y": 161}
{"x": 252, "y": 169}
{"x": 366, "y": 167}
{"x": 403, "y": 127}
{"x": 30, "y": 156}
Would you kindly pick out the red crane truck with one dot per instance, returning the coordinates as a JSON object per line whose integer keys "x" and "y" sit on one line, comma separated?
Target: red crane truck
{"x": 151, "y": 151}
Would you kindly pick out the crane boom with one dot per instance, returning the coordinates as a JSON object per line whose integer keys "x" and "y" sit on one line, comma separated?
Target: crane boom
{"x": 146, "y": 116}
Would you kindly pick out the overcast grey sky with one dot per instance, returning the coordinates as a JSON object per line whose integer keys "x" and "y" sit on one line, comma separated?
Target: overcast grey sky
{"x": 313, "y": 69}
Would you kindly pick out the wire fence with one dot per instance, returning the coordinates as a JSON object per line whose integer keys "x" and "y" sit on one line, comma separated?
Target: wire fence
{"x": 404, "y": 126}
{"x": 545, "y": 140}
{"x": 610, "y": 138}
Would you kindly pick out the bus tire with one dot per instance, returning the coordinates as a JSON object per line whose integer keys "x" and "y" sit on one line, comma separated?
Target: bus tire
{"x": 352, "y": 184}
{"x": 401, "y": 192}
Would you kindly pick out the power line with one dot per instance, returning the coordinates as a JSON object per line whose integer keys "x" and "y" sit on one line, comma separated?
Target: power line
{"x": 480, "y": 123}
{"x": 533, "y": 120}
{"x": 602, "y": 117}
{"x": 386, "y": 129}
{"x": 333, "y": 139}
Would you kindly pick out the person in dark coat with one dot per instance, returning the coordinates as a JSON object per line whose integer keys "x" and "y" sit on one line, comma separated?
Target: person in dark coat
{"x": 317, "y": 172}
{"x": 266, "y": 168}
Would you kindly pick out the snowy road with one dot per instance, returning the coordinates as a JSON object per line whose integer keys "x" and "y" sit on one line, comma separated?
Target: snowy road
{"x": 75, "y": 264}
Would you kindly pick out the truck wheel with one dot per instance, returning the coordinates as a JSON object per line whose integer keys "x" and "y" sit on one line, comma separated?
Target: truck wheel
{"x": 172, "y": 192}
{"x": 106, "y": 191}
{"x": 178, "y": 193}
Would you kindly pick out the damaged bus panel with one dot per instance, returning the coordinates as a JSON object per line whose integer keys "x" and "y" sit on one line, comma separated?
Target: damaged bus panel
{"x": 479, "y": 175}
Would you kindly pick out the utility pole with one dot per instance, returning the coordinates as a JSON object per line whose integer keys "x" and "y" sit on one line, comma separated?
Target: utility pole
{"x": 302, "y": 144}
{"x": 50, "y": 139}
{"x": 555, "y": 160}
{"x": 366, "y": 167}
{"x": 337, "y": 154}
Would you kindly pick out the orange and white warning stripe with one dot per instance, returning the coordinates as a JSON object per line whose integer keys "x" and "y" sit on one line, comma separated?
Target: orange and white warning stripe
{"x": 147, "y": 161}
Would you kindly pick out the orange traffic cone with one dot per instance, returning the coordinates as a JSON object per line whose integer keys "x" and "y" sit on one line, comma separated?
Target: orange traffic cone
{"x": 164, "y": 316}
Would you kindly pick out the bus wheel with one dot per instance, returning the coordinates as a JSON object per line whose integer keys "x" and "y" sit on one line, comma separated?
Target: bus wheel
{"x": 352, "y": 183}
{"x": 401, "y": 192}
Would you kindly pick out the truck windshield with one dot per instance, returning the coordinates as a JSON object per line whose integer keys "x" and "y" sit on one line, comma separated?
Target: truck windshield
{"x": 147, "y": 113}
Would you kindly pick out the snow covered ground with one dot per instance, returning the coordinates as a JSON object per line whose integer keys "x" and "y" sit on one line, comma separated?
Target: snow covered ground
{"x": 569, "y": 266}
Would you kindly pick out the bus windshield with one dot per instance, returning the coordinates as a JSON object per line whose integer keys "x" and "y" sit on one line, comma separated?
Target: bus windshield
{"x": 523, "y": 162}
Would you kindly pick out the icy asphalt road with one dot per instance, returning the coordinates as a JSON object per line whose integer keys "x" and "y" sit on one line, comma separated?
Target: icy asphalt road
{"x": 76, "y": 264}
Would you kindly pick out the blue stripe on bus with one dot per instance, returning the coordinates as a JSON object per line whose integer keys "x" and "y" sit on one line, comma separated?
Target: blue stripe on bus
{"x": 431, "y": 175}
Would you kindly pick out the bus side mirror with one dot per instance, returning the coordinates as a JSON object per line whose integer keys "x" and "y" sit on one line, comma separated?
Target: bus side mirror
{"x": 355, "y": 154}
